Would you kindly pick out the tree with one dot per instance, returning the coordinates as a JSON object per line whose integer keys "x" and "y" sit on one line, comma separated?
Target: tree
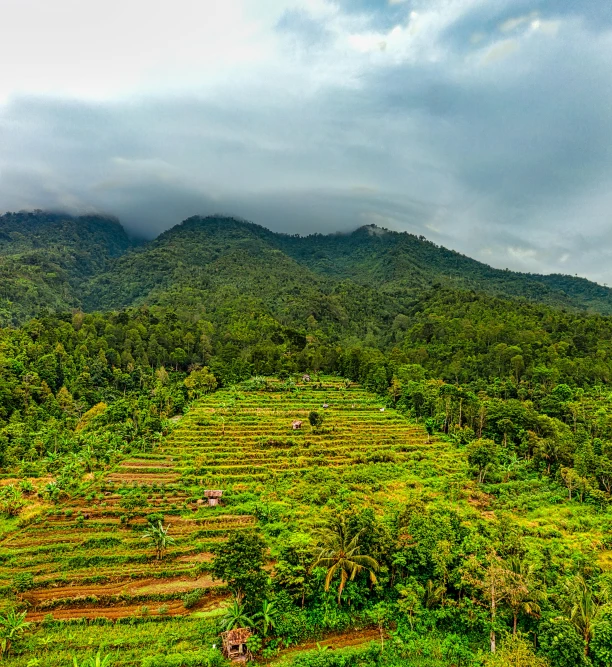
{"x": 239, "y": 562}
{"x": 11, "y": 501}
{"x": 482, "y": 455}
{"x": 523, "y": 595}
{"x": 430, "y": 427}
{"x": 340, "y": 553}
{"x": 158, "y": 535}
{"x": 573, "y": 481}
{"x": 582, "y": 608}
{"x": 493, "y": 579}
{"x": 561, "y": 644}
{"x": 200, "y": 382}
{"x": 316, "y": 419}
{"x": 12, "y": 627}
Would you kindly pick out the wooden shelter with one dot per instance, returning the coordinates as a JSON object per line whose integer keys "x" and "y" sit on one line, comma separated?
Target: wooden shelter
{"x": 213, "y": 496}
{"x": 296, "y": 424}
{"x": 306, "y": 378}
{"x": 234, "y": 644}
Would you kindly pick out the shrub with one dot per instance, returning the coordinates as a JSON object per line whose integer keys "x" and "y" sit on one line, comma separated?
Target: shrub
{"x": 316, "y": 419}
{"x": 192, "y": 598}
{"x": 23, "y": 581}
{"x": 209, "y": 658}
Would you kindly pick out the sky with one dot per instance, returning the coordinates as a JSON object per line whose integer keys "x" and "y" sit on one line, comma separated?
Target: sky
{"x": 484, "y": 125}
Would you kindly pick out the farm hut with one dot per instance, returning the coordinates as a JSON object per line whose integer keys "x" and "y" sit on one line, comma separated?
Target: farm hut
{"x": 325, "y": 405}
{"x": 213, "y": 496}
{"x": 305, "y": 377}
{"x": 234, "y": 644}
{"x": 296, "y": 425}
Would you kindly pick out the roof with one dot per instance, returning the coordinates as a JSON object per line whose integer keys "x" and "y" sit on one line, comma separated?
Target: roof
{"x": 236, "y": 636}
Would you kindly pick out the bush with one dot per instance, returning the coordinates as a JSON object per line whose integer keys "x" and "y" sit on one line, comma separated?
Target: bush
{"x": 191, "y": 599}
{"x": 316, "y": 419}
{"x": 561, "y": 644}
{"x": 23, "y": 581}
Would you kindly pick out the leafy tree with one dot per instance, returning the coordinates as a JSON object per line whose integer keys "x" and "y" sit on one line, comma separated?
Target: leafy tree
{"x": 430, "y": 427}
{"x": 239, "y": 562}
{"x": 340, "y": 553}
{"x": 316, "y": 419}
{"x": 561, "y": 643}
{"x": 482, "y": 455}
{"x": 200, "y": 382}
{"x": 94, "y": 661}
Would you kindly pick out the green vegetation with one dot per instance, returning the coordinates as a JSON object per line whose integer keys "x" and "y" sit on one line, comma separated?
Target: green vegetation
{"x": 410, "y": 475}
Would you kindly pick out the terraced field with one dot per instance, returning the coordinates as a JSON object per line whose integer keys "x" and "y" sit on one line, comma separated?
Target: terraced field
{"x": 87, "y": 558}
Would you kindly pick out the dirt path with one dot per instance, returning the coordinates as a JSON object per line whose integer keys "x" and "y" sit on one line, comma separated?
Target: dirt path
{"x": 334, "y": 641}
{"x": 149, "y": 586}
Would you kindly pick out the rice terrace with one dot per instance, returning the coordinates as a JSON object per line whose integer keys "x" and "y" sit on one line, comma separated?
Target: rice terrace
{"x": 86, "y": 560}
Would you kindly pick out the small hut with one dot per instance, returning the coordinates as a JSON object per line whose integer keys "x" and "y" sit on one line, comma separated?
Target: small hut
{"x": 305, "y": 377}
{"x": 234, "y": 644}
{"x": 296, "y": 425}
{"x": 213, "y": 496}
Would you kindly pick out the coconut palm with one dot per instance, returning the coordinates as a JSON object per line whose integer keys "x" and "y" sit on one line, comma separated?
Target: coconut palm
{"x": 12, "y": 626}
{"x": 582, "y": 608}
{"x": 235, "y": 617}
{"x": 341, "y": 553}
{"x": 158, "y": 535}
{"x": 523, "y": 595}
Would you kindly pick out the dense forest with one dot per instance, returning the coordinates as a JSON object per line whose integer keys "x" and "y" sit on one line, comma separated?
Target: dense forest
{"x": 106, "y": 341}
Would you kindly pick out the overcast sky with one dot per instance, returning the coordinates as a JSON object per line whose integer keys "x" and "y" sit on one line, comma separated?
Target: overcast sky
{"x": 485, "y": 125}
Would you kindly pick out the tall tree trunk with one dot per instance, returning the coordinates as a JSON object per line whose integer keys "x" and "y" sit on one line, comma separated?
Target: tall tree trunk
{"x": 493, "y": 610}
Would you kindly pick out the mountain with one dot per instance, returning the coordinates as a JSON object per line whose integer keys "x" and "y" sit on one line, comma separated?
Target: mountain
{"x": 47, "y": 258}
{"x": 387, "y": 259}
{"x": 343, "y": 284}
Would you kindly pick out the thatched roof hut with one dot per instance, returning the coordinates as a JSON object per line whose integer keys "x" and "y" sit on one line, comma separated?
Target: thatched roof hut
{"x": 234, "y": 644}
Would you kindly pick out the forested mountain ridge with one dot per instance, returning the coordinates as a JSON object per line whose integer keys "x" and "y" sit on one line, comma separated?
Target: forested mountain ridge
{"x": 47, "y": 258}
{"x": 372, "y": 257}
{"x": 350, "y": 284}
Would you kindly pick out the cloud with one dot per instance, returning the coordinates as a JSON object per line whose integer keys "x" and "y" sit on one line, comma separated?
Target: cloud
{"x": 484, "y": 126}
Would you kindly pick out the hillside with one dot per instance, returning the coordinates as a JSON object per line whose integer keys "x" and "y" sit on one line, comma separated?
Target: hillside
{"x": 47, "y": 258}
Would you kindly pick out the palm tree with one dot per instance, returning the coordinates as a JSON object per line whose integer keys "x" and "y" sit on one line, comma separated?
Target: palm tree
{"x": 158, "y": 535}
{"x": 235, "y": 617}
{"x": 341, "y": 553}
{"x": 582, "y": 608}
{"x": 523, "y": 596}
{"x": 12, "y": 626}
{"x": 269, "y": 614}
